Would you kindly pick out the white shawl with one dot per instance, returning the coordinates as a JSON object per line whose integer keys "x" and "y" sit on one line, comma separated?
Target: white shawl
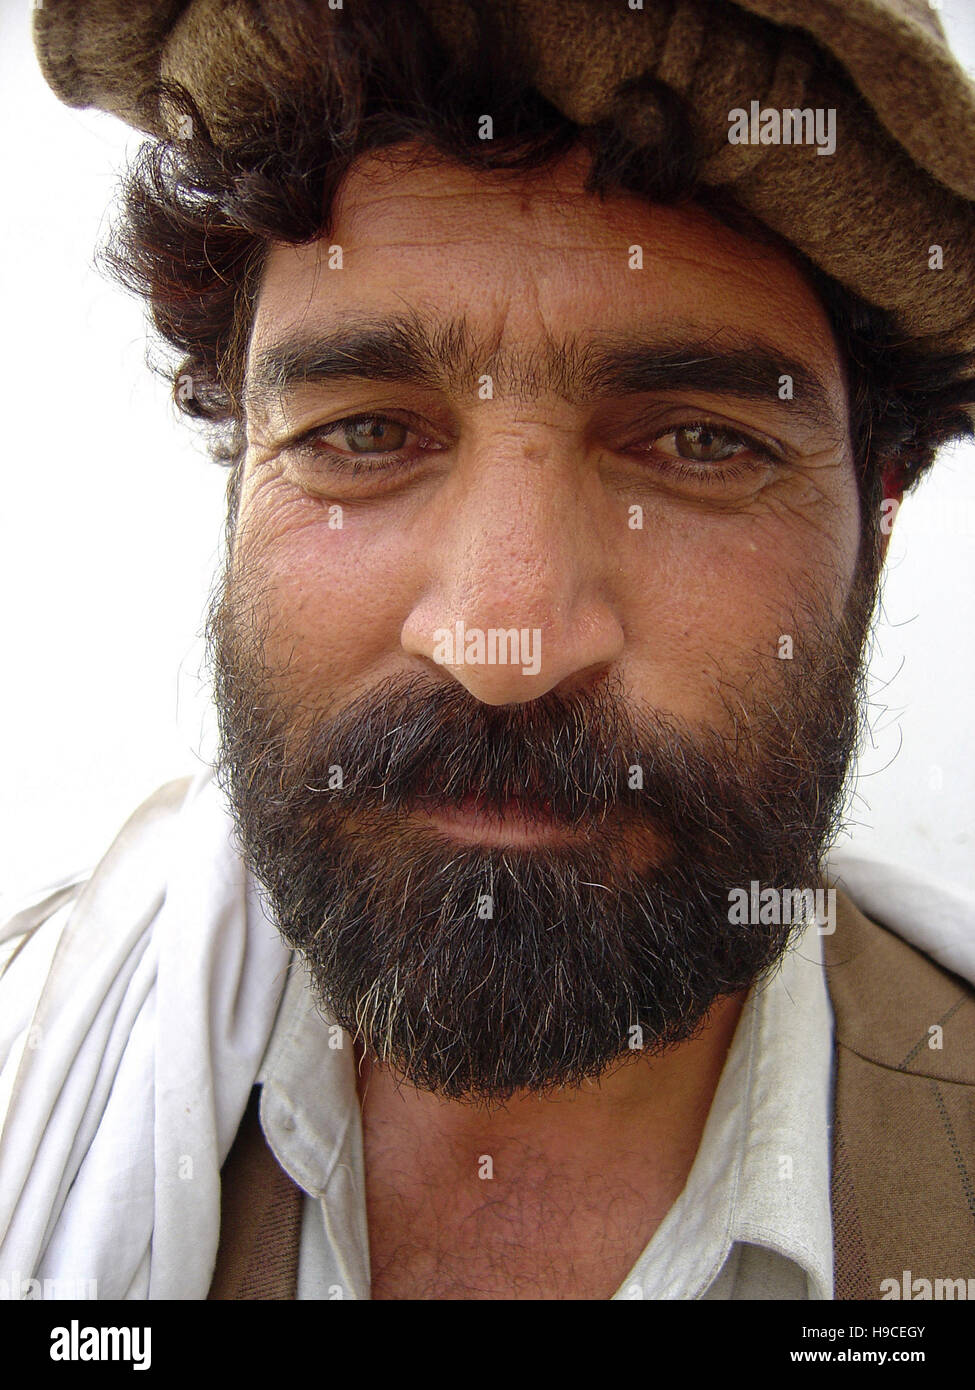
{"x": 135, "y": 1010}
{"x": 132, "y": 1026}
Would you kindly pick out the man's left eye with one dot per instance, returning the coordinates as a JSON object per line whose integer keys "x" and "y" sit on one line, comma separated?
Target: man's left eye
{"x": 703, "y": 444}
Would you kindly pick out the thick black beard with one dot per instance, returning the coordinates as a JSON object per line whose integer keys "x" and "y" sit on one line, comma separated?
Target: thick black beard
{"x": 476, "y": 973}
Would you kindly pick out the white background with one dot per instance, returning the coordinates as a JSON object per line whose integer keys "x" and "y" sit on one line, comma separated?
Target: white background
{"x": 110, "y": 530}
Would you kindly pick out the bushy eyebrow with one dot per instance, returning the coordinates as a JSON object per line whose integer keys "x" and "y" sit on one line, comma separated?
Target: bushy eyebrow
{"x": 448, "y": 358}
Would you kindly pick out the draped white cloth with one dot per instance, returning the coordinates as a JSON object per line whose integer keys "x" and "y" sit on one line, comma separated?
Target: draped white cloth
{"x": 135, "y": 1010}
{"x": 132, "y": 1025}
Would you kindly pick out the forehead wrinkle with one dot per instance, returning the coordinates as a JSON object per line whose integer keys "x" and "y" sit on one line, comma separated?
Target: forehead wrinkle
{"x": 454, "y": 357}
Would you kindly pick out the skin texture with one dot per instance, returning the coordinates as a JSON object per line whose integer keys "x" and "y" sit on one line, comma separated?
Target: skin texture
{"x": 513, "y": 511}
{"x": 523, "y": 518}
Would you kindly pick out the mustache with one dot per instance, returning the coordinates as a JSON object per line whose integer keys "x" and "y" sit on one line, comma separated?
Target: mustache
{"x": 586, "y": 758}
{"x": 414, "y": 743}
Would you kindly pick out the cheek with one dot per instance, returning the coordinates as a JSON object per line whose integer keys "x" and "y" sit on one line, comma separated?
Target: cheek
{"x": 704, "y": 596}
{"x": 711, "y": 596}
{"x": 335, "y": 593}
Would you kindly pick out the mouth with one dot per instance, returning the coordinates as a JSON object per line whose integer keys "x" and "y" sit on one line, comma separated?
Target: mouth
{"x": 518, "y": 823}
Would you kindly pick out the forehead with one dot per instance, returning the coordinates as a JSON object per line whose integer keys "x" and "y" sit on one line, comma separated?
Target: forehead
{"x": 529, "y": 259}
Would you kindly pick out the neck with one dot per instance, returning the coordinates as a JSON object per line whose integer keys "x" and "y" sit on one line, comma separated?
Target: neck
{"x": 657, "y": 1105}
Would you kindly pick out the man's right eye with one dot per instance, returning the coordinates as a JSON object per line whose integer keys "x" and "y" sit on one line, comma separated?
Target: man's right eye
{"x": 370, "y": 434}
{"x": 362, "y": 443}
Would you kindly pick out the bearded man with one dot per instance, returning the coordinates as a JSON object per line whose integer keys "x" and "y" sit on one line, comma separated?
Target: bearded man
{"x": 564, "y": 411}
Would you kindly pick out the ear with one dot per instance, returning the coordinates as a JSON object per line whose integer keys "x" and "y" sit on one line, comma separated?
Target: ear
{"x": 893, "y": 492}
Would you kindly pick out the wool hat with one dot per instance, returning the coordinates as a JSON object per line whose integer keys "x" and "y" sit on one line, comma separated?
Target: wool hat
{"x": 846, "y": 126}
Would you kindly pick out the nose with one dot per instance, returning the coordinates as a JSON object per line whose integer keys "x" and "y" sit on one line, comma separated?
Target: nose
{"x": 519, "y": 595}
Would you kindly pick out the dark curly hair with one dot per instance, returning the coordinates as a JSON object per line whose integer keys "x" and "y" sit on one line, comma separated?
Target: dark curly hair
{"x": 197, "y": 217}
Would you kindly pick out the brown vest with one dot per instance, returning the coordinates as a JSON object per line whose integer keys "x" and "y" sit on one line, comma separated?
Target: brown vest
{"x": 903, "y": 1175}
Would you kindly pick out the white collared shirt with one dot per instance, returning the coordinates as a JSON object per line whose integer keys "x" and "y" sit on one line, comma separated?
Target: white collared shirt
{"x": 752, "y": 1222}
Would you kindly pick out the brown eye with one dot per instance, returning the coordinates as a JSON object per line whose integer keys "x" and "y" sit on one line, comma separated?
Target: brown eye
{"x": 374, "y": 435}
{"x": 702, "y": 444}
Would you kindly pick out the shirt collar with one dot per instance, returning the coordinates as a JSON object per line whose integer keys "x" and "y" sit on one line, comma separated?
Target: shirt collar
{"x": 309, "y": 1101}
{"x": 761, "y": 1174}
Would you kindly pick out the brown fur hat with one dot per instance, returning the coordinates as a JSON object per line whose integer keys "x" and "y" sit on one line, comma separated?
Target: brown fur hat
{"x": 879, "y": 193}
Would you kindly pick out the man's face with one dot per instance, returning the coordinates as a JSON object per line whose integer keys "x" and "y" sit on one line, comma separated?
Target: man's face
{"x": 621, "y": 431}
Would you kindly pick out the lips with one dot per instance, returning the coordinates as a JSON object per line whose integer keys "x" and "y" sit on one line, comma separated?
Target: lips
{"x": 517, "y": 822}
{"x": 518, "y": 808}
